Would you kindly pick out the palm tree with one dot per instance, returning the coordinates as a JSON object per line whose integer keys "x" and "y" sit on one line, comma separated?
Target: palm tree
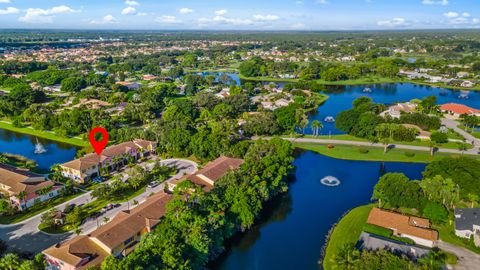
{"x": 432, "y": 146}
{"x": 473, "y": 198}
{"x": 22, "y": 195}
{"x": 316, "y": 126}
{"x": 78, "y": 230}
{"x": 10, "y": 261}
{"x": 346, "y": 257}
{"x": 384, "y": 133}
{"x": 3, "y": 158}
{"x": 106, "y": 219}
{"x": 462, "y": 147}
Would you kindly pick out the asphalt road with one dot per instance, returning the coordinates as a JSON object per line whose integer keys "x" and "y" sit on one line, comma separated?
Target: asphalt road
{"x": 467, "y": 259}
{"x": 26, "y": 237}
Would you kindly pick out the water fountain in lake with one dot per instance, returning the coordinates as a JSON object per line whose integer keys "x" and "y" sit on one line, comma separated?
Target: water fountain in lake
{"x": 330, "y": 181}
{"x": 39, "y": 148}
{"x": 329, "y": 119}
{"x": 367, "y": 90}
{"x": 464, "y": 94}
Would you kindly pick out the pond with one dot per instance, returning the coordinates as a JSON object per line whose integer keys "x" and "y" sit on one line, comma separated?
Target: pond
{"x": 22, "y": 144}
{"x": 342, "y": 97}
{"x": 292, "y": 233}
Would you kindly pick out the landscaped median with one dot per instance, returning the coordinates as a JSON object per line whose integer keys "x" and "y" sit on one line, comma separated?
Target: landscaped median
{"x": 43, "y": 134}
{"x": 350, "y": 152}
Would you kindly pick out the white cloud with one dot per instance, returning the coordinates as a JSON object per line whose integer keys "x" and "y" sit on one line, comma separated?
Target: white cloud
{"x": 221, "y": 12}
{"x": 131, "y": 3}
{"x": 451, "y": 14}
{"x": 232, "y": 21}
{"x": 9, "y": 10}
{"x": 435, "y": 2}
{"x": 38, "y": 15}
{"x": 141, "y": 14}
{"x": 186, "y": 10}
{"x": 299, "y": 2}
{"x": 265, "y": 18}
{"x": 168, "y": 20}
{"x": 457, "y": 18}
{"x": 4, "y": 1}
{"x": 129, "y": 11}
{"x": 108, "y": 19}
{"x": 395, "y": 22}
{"x": 322, "y": 2}
{"x": 298, "y": 26}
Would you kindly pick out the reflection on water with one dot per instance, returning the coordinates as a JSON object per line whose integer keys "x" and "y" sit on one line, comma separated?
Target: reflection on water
{"x": 25, "y": 145}
{"x": 292, "y": 235}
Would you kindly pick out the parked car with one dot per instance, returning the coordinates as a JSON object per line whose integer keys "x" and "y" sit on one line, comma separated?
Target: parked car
{"x": 153, "y": 184}
{"x": 98, "y": 179}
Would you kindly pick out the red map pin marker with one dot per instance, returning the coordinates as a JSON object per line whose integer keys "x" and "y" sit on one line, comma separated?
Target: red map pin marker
{"x": 98, "y": 145}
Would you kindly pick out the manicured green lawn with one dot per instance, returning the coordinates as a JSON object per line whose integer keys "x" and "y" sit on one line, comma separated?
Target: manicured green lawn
{"x": 55, "y": 230}
{"x": 418, "y": 142}
{"x": 447, "y": 234}
{"x": 374, "y": 153}
{"x": 43, "y": 134}
{"x": 346, "y": 231}
{"x": 36, "y": 210}
{"x": 384, "y": 232}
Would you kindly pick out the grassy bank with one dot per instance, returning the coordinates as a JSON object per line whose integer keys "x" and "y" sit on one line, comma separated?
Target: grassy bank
{"x": 43, "y": 134}
{"x": 346, "y": 231}
{"x": 417, "y": 142}
{"x": 447, "y": 233}
{"x": 373, "y": 153}
{"x": 266, "y": 79}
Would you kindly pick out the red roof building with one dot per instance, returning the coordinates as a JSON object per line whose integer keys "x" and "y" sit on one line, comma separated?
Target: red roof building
{"x": 458, "y": 109}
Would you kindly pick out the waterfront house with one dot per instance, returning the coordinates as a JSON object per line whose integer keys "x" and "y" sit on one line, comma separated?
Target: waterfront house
{"x": 467, "y": 223}
{"x": 117, "y": 238}
{"x": 396, "y": 110}
{"x": 373, "y": 242}
{"x": 414, "y": 228}
{"x": 456, "y": 110}
{"x": 24, "y": 188}
{"x": 213, "y": 171}
{"x": 89, "y": 166}
{"x": 130, "y": 85}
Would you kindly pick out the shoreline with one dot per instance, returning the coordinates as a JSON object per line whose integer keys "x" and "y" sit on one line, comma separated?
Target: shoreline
{"x": 361, "y": 81}
{"x": 43, "y": 134}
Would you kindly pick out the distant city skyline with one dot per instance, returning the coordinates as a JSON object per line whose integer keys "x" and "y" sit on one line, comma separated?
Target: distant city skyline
{"x": 241, "y": 15}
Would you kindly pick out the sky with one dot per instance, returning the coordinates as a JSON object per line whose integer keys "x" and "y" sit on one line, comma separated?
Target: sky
{"x": 240, "y": 14}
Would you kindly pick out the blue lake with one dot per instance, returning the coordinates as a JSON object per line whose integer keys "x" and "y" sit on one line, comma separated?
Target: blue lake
{"x": 21, "y": 144}
{"x": 342, "y": 97}
{"x": 292, "y": 234}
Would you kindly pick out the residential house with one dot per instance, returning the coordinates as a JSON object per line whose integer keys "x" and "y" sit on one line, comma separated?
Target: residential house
{"x": 467, "y": 223}
{"x": 213, "y": 171}
{"x": 396, "y": 110}
{"x": 118, "y": 237}
{"x": 24, "y": 188}
{"x": 456, "y": 110}
{"x": 89, "y": 166}
{"x": 462, "y": 74}
{"x": 117, "y": 110}
{"x": 149, "y": 77}
{"x": 467, "y": 84}
{"x": 414, "y": 228}
{"x": 130, "y": 85}
{"x": 373, "y": 242}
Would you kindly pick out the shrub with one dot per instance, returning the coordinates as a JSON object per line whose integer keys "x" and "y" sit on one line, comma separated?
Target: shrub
{"x": 409, "y": 154}
{"x": 363, "y": 150}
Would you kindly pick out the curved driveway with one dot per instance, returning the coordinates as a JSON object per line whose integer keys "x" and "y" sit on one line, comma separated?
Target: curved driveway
{"x": 26, "y": 237}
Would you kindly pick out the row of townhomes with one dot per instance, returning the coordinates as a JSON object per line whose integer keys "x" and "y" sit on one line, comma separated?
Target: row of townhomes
{"x": 121, "y": 235}
{"x": 24, "y": 188}
{"x": 89, "y": 166}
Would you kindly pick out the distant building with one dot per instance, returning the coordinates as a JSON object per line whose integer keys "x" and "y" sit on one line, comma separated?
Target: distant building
{"x": 24, "y": 188}
{"x": 149, "y": 77}
{"x": 117, "y": 238}
{"x": 213, "y": 171}
{"x": 130, "y": 85}
{"x": 467, "y": 223}
{"x": 88, "y": 167}
{"x": 414, "y": 228}
{"x": 457, "y": 110}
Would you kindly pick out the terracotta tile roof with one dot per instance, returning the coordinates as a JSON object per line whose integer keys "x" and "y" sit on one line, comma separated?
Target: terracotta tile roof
{"x": 77, "y": 249}
{"x": 219, "y": 167}
{"x": 402, "y": 224}
{"x": 458, "y": 108}
{"x": 127, "y": 224}
{"x": 19, "y": 180}
{"x": 212, "y": 172}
